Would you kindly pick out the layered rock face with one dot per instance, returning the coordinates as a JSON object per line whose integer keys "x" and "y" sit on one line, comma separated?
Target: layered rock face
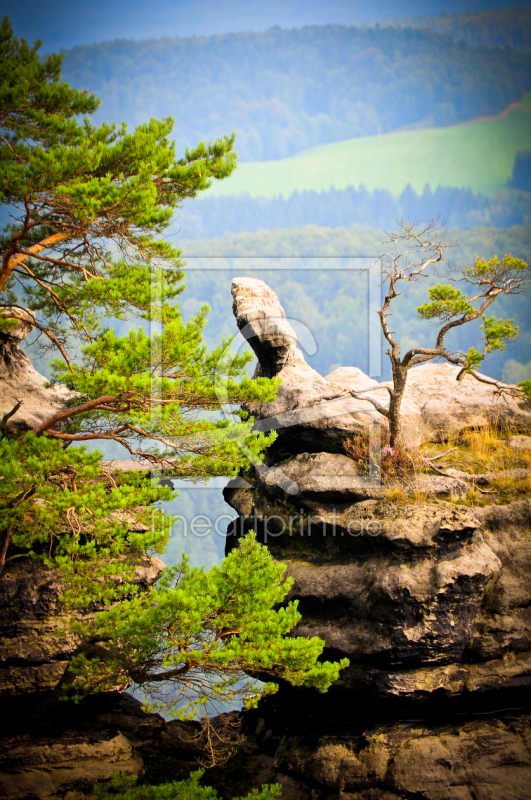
{"x": 80, "y": 745}
{"x": 421, "y": 599}
{"x": 484, "y": 757}
{"x": 35, "y": 636}
{"x": 430, "y": 600}
{"x": 312, "y": 413}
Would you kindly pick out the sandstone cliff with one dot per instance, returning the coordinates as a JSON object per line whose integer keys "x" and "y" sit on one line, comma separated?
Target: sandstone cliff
{"x": 429, "y": 596}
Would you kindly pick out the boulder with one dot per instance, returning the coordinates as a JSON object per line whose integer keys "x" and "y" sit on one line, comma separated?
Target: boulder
{"x": 328, "y": 477}
{"x": 313, "y": 413}
{"x": 20, "y": 381}
{"x": 447, "y": 406}
{"x": 333, "y": 478}
{"x": 520, "y": 442}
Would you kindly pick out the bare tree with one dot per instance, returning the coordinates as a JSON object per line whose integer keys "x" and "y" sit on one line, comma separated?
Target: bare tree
{"x": 416, "y": 249}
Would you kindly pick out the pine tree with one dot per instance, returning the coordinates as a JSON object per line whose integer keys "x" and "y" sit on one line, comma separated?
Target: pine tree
{"x": 89, "y": 207}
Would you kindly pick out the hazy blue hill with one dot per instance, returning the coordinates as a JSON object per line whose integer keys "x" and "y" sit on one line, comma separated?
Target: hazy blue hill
{"x": 62, "y": 24}
{"x": 338, "y": 208}
{"x": 286, "y": 90}
{"x": 497, "y": 27}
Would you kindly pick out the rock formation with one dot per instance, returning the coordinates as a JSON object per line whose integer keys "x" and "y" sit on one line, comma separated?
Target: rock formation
{"x": 429, "y": 600}
{"x": 80, "y": 745}
{"x": 312, "y": 413}
{"x": 21, "y": 383}
{"x": 463, "y": 756}
{"x": 420, "y": 598}
{"x": 35, "y": 636}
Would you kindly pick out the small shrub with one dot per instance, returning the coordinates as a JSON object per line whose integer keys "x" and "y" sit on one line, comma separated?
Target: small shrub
{"x": 374, "y": 455}
{"x": 397, "y": 494}
{"x": 124, "y": 787}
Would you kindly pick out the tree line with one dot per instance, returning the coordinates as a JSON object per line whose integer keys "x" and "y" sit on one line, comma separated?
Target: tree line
{"x": 379, "y": 209}
{"x": 497, "y": 27}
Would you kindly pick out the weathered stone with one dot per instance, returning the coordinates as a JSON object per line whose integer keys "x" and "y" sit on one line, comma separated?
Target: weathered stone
{"x": 439, "y": 485}
{"x": 448, "y": 406}
{"x": 440, "y": 592}
{"x": 22, "y": 320}
{"x": 520, "y": 442}
{"x": 263, "y": 323}
{"x": 418, "y": 611}
{"x": 330, "y": 477}
{"x": 44, "y": 768}
{"x": 65, "y": 753}
{"x": 480, "y": 759}
{"x": 21, "y": 382}
{"x": 333, "y": 478}
{"x": 35, "y": 637}
{"x": 352, "y": 379}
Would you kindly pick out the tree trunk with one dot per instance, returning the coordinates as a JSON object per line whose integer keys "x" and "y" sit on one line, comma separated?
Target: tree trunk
{"x": 395, "y": 422}
{"x": 5, "y": 540}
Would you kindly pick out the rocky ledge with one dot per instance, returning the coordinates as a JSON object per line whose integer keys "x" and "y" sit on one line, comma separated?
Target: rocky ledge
{"x": 67, "y": 753}
{"x": 420, "y": 598}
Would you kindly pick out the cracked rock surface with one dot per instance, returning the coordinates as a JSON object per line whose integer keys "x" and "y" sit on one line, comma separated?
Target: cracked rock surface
{"x": 35, "y": 638}
{"x": 20, "y": 382}
{"x": 421, "y": 598}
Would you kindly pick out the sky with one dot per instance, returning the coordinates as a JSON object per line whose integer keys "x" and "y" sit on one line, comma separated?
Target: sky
{"x": 62, "y": 24}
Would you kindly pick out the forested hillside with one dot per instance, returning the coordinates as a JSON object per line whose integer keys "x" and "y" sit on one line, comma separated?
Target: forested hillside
{"x": 498, "y": 27}
{"x": 336, "y": 208}
{"x": 329, "y": 295}
{"x": 286, "y": 90}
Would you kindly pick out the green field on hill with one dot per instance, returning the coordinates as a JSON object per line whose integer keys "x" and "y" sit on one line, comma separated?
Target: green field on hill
{"x": 477, "y": 156}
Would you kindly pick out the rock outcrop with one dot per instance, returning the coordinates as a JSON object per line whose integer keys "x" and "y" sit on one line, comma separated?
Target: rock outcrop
{"x": 424, "y": 598}
{"x": 35, "y": 637}
{"x": 313, "y": 413}
{"x": 80, "y": 745}
{"x": 420, "y": 598}
{"x": 64, "y": 764}
{"x": 21, "y": 383}
{"x": 430, "y": 601}
{"x": 474, "y": 756}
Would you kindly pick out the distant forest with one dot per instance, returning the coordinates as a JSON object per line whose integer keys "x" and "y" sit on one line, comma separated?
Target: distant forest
{"x": 500, "y": 27}
{"x": 286, "y": 90}
{"x": 379, "y": 209}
